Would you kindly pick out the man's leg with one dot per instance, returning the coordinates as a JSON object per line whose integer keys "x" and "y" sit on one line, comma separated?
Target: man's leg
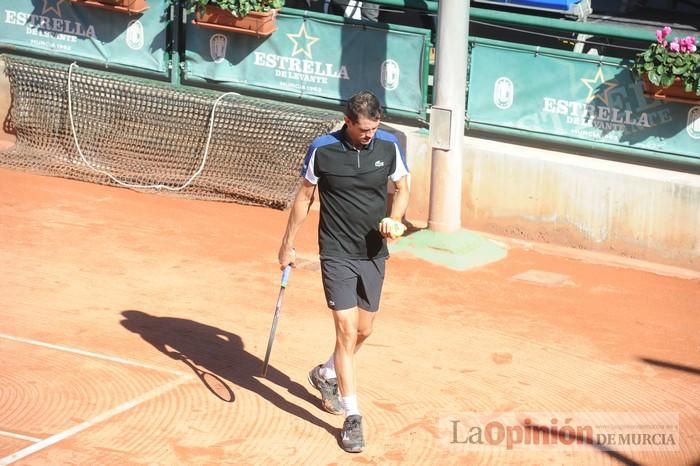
{"x": 339, "y": 285}
{"x": 346, "y": 331}
{"x": 352, "y": 328}
{"x": 325, "y": 374}
{"x": 364, "y": 327}
{"x": 346, "y": 282}
{"x": 364, "y": 330}
{"x": 346, "y": 337}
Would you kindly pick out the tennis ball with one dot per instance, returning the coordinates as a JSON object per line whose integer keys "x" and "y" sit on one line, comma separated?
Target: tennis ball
{"x": 395, "y": 228}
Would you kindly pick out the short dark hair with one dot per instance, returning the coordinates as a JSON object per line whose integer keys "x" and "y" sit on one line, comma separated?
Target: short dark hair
{"x": 363, "y": 104}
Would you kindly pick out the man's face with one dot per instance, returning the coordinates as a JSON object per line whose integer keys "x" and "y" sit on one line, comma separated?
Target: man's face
{"x": 360, "y": 132}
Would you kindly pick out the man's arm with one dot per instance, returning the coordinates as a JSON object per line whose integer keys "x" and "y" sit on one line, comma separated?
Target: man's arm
{"x": 398, "y": 209}
{"x": 400, "y": 201}
{"x": 300, "y": 210}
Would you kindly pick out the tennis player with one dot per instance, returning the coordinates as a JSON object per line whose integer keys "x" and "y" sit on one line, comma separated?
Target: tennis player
{"x": 351, "y": 169}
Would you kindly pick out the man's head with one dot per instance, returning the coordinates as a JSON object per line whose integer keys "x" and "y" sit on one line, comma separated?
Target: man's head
{"x": 362, "y": 115}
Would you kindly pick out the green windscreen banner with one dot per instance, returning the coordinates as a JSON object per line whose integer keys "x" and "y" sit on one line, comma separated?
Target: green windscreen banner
{"x": 584, "y": 99}
{"x": 76, "y": 30}
{"x": 317, "y": 58}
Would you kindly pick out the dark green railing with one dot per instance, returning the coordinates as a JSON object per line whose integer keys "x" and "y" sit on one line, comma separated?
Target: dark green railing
{"x": 545, "y": 23}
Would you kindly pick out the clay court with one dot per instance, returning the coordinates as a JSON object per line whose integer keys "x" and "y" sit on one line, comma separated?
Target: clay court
{"x": 134, "y": 325}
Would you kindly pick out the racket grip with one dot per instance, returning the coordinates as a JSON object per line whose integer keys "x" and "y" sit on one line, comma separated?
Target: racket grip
{"x": 285, "y": 276}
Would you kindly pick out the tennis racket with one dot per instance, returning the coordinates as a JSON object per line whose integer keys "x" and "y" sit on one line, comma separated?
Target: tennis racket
{"x": 276, "y": 317}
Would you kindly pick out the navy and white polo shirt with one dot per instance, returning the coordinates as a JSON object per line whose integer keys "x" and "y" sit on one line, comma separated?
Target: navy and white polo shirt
{"x": 352, "y": 188}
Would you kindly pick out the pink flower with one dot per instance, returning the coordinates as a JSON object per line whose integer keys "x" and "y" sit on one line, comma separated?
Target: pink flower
{"x": 685, "y": 45}
{"x": 690, "y": 42}
{"x": 661, "y": 35}
{"x": 675, "y": 46}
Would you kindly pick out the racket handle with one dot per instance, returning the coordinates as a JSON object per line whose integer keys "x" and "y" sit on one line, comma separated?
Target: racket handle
{"x": 285, "y": 276}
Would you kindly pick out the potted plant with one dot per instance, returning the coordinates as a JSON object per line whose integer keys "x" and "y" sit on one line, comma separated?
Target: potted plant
{"x": 670, "y": 69}
{"x": 255, "y": 17}
{"x": 120, "y": 6}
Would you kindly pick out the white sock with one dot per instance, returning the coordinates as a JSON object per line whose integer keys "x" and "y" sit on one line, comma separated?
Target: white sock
{"x": 350, "y": 405}
{"x": 328, "y": 369}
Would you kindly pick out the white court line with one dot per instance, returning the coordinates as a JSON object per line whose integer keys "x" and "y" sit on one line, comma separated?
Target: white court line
{"x": 91, "y": 422}
{"x": 106, "y": 357}
{"x": 19, "y": 436}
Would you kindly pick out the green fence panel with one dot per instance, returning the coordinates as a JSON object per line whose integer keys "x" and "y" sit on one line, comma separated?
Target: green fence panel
{"x": 577, "y": 99}
{"x": 65, "y": 29}
{"x": 316, "y": 58}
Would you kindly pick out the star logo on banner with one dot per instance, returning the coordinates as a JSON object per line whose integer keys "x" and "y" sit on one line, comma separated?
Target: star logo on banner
{"x": 302, "y": 37}
{"x": 593, "y": 84}
{"x": 55, "y": 8}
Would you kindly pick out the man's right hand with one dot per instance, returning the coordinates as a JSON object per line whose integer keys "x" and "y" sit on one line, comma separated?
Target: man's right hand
{"x": 286, "y": 256}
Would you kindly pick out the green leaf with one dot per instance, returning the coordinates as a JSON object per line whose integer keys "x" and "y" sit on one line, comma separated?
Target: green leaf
{"x": 666, "y": 80}
{"x": 654, "y": 77}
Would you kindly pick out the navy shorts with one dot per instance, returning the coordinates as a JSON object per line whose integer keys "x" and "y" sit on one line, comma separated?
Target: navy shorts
{"x": 353, "y": 282}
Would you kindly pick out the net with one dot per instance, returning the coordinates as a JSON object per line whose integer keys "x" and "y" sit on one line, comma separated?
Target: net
{"x": 123, "y": 131}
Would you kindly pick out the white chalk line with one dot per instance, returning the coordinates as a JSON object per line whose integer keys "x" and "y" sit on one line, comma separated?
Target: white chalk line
{"x": 94, "y": 421}
{"x": 19, "y": 436}
{"x": 105, "y": 357}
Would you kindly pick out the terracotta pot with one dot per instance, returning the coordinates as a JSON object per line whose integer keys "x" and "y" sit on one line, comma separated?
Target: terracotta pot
{"x": 254, "y": 23}
{"x": 119, "y": 6}
{"x": 674, "y": 93}
{"x": 117, "y": 2}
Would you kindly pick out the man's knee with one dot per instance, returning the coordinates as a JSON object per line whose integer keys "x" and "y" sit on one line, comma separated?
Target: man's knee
{"x": 364, "y": 332}
{"x": 346, "y": 328}
{"x": 346, "y": 332}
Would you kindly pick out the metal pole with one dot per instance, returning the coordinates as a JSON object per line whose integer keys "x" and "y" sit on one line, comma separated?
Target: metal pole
{"x": 447, "y": 116}
{"x": 177, "y": 29}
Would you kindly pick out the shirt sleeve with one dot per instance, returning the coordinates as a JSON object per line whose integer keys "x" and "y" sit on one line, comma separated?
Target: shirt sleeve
{"x": 307, "y": 170}
{"x": 401, "y": 168}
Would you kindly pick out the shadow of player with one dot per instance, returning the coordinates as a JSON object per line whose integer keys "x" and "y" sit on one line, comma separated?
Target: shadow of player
{"x": 221, "y": 356}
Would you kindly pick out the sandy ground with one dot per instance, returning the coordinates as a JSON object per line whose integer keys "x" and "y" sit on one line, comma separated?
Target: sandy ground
{"x": 133, "y": 327}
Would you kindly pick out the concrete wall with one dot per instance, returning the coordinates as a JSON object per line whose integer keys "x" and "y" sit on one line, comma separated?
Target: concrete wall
{"x": 582, "y": 202}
